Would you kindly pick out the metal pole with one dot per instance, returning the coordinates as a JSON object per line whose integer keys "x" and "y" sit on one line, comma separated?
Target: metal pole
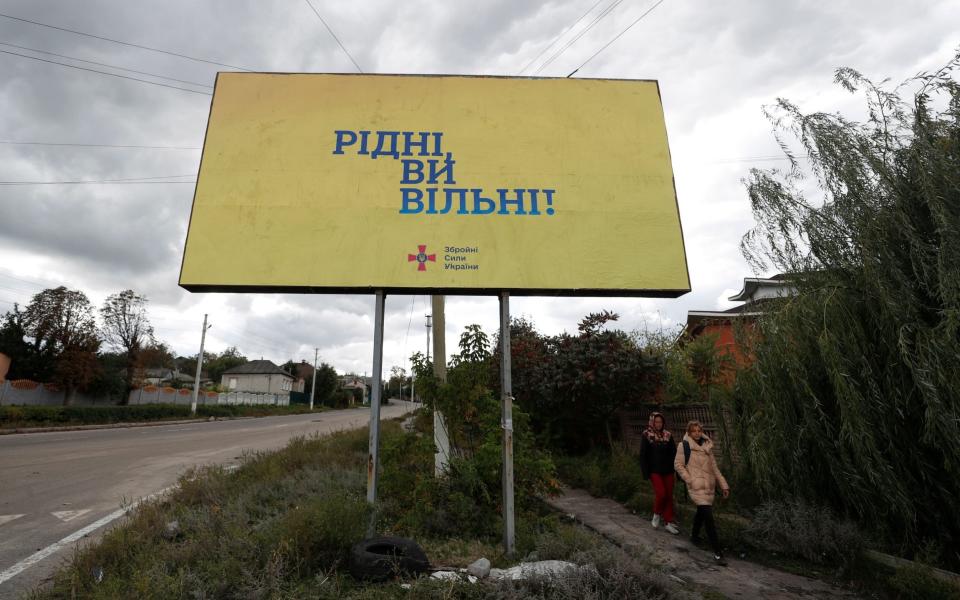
{"x": 373, "y": 456}
{"x": 313, "y": 384}
{"x": 428, "y": 336}
{"x": 196, "y": 380}
{"x": 506, "y": 386}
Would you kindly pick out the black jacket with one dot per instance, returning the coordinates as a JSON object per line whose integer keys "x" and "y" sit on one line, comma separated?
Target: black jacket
{"x": 656, "y": 457}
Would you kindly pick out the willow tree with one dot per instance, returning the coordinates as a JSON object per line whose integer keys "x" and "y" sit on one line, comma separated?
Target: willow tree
{"x": 854, "y": 398}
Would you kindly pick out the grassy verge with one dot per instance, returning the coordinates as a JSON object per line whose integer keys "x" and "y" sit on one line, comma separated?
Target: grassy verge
{"x": 617, "y": 475}
{"x": 281, "y": 526}
{"x": 14, "y": 417}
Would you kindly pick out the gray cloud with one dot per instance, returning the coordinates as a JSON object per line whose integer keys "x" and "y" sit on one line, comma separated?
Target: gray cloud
{"x": 717, "y": 63}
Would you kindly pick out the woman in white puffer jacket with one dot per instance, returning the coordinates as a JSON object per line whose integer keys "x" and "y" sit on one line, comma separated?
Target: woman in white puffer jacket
{"x": 697, "y": 466}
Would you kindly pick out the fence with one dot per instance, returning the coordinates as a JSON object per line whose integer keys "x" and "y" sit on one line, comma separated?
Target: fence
{"x": 30, "y": 393}
{"x": 634, "y": 419}
{"x": 167, "y": 395}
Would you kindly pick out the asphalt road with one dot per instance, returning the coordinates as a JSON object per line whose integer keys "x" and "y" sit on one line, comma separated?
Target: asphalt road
{"x": 61, "y": 487}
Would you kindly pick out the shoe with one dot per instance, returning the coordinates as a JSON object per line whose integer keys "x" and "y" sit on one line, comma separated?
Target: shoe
{"x": 672, "y": 528}
{"x": 656, "y": 521}
{"x": 718, "y": 560}
{"x": 695, "y": 540}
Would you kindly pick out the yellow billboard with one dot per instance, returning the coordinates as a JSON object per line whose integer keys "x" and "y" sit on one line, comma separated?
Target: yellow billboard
{"x": 435, "y": 184}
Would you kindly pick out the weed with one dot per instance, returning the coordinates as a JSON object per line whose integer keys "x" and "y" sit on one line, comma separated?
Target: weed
{"x": 813, "y": 533}
{"x": 917, "y": 582}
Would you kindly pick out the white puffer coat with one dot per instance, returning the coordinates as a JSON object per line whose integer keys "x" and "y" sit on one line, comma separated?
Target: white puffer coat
{"x": 701, "y": 474}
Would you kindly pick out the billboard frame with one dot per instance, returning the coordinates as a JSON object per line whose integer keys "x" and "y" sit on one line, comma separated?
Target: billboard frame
{"x": 453, "y": 291}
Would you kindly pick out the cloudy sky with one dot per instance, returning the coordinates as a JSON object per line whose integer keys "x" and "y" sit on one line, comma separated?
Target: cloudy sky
{"x": 718, "y": 63}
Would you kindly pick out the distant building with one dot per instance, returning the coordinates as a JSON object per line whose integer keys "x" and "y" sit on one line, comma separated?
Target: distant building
{"x": 172, "y": 377}
{"x": 260, "y": 376}
{"x": 356, "y": 382}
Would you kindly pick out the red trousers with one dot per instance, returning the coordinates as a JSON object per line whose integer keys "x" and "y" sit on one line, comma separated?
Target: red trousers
{"x": 663, "y": 496}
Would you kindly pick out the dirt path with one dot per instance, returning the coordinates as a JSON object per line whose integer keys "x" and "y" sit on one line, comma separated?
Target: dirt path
{"x": 741, "y": 579}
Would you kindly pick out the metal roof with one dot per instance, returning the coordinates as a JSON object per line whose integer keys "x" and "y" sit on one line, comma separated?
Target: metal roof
{"x": 257, "y": 367}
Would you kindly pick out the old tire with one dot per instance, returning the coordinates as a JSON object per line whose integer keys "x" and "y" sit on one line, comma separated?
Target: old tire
{"x": 381, "y": 558}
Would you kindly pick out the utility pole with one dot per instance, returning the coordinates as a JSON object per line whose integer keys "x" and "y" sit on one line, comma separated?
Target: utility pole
{"x": 441, "y": 436}
{"x": 313, "y": 383}
{"x": 428, "y": 336}
{"x": 196, "y": 380}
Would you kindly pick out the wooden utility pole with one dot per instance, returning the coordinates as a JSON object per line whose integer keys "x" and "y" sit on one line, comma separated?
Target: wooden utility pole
{"x": 441, "y": 438}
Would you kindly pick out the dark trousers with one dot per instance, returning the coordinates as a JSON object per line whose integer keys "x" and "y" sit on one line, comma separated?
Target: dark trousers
{"x": 704, "y": 517}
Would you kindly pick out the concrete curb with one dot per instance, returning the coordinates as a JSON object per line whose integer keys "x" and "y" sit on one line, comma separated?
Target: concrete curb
{"x": 143, "y": 423}
{"x": 102, "y": 426}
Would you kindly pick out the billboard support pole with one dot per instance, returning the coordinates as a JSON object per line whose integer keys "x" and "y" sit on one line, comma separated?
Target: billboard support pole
{"x": 506, "y": 391}
{"x": 376, "y": 384}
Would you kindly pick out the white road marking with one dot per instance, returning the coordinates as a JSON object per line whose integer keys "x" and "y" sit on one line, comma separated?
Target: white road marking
{"x": 8, "y": 518}
{"x": 69, "y": 515}
{"x": 36, "y": 557}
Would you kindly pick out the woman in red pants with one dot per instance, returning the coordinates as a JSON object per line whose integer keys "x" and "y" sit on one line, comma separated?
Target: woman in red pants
{"x": 657, "y": 452}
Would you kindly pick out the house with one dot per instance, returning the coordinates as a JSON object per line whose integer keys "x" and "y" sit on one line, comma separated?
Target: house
{"x": 260, "y": 376}
{"x": 756, "y": 293}
{"x": 303, "y": 370}
{"x": 172, "y": 377}
{"x": 355, "y": 382}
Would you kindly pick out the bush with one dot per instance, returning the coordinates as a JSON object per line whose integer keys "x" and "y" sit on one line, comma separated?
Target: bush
{"x": 467, "y": 501}
{"x": 614, "y": 475}
{"x": 814, "y": 533}
{"x": 323, "y": 529}
{"x": 39, "y": 416}
{"x": 917, "y": 582}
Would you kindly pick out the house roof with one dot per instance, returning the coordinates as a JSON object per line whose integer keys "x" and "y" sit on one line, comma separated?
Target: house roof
{"x": 257, "y": 367}
{"x": 158, "y": 373}
{"x": 751, "y": 285}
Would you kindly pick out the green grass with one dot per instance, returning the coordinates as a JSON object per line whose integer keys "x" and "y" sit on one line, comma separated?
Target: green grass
{"x": 17, "y": 417}
{"x": 281, "y": 526}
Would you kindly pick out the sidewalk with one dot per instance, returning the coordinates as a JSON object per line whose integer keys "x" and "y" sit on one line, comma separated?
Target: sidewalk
{"x": 684, "y": 561}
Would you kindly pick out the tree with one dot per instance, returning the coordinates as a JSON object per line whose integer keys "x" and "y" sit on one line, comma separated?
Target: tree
{"x": 596, "y": 373}
{"x": 127, "y": 329}
{"x": 474, "y": 346}
{"x": 327, "y": 383}
{"x": 63, "y": 328}
{"x": 157, "y": 355}
{"x": 26, "y": 360}
{"x": 215, "y": 364}
{"x": 852, "y": 399}
{"x": 110, "y": 379}
{"x": 398, "y": 380}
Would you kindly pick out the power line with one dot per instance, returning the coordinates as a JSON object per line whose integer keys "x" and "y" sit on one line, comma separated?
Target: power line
{"x": 560, "y": 35}
{"x": 603, "y": 14}
{"x": 30, "y": 281}
{"x": 132, "y": 180}
{"x": 339, "y": 43}
{"x": 93, "y": 62}
{"x": 757, "y": 159}
{"x": 130, "y": 44}
{"x": 53, "y": 62}
{"x": 126, "y": 146}
{"x": 617, "y": 37}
